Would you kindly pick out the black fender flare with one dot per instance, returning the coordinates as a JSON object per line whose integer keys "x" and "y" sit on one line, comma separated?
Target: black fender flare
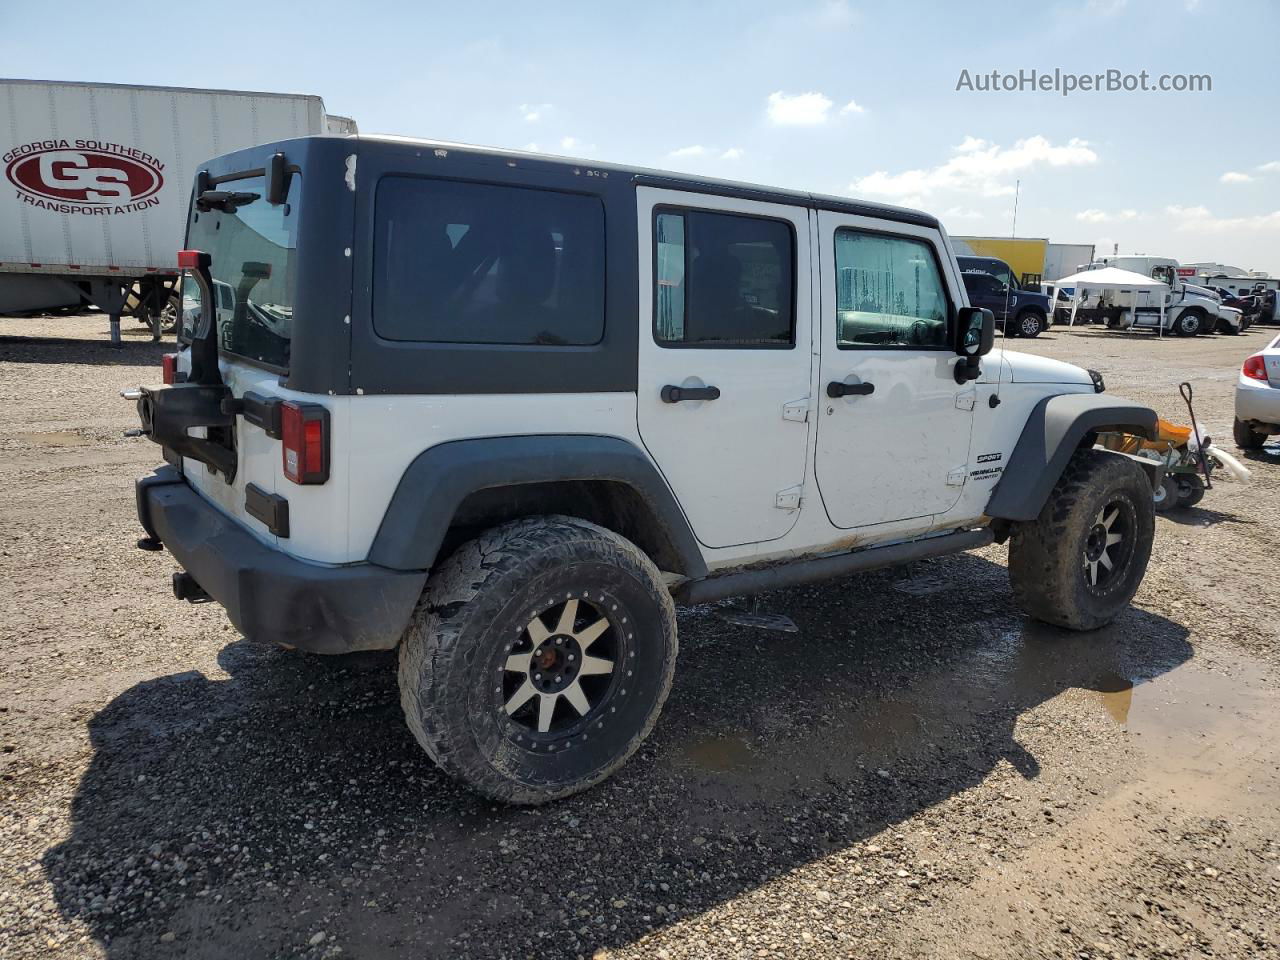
{"x": 441, "y": 477}
{"x": 1055, "y": 429}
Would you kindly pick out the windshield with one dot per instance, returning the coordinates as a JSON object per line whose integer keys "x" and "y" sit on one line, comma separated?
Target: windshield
{"x": 253, "y": 249}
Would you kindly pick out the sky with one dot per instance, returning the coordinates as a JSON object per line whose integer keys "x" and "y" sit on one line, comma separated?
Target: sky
{"x": 832, "y": 96}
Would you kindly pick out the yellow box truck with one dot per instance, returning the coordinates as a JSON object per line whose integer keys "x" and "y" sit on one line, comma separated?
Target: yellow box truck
{"x": 1024, "y": 255}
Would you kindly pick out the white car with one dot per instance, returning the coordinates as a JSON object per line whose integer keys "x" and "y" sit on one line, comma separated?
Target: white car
{"x": 508, "y": 448}
{"x": 1258, "y": 398}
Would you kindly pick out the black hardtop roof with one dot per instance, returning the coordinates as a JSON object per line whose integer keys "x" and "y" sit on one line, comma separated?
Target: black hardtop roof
{"x": 663, "y": 179}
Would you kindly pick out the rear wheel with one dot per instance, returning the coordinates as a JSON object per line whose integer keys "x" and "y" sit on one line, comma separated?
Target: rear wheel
{"x": 1079, "y": 563}
{"x": 1246, "y": 437}
{"x": 538, "y": 659}
{"x": 1190, "y": 489}
{"x": 1165, "y": 495}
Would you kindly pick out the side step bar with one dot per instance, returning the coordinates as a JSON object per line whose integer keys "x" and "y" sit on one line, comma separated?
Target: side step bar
{"x": 791, "y": 573}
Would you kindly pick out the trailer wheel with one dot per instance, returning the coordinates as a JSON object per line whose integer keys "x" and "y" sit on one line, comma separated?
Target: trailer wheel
{"x": 1079, "y": 563}
{"x": 538, "y": 658}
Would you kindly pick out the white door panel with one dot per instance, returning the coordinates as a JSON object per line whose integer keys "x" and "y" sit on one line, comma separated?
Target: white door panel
{"x": 727, "y": 459}
{"x": 901, "y": 451}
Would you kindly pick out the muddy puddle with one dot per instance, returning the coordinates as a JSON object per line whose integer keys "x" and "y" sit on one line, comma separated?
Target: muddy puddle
{"x": 1168, "y": 705}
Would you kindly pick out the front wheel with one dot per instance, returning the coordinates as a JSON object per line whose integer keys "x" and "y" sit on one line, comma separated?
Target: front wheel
{"x": 1079, "y": 563}
{"x": 1030, "y": 324}
{"x": 538, "y": 659}
{"x": 1189, "y": 323}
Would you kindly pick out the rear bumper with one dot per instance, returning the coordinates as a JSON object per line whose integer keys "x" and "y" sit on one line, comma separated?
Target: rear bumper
{"x": 268, "y": 595}
{"x": 1257, "y": 401}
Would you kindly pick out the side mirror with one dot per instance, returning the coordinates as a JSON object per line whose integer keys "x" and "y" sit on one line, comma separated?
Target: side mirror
{"x": 975, "y": 336}
{"x": 975, "y": 332}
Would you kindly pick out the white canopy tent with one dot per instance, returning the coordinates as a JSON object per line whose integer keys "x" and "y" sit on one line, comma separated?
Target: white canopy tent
{"x": 1121, "y": 281}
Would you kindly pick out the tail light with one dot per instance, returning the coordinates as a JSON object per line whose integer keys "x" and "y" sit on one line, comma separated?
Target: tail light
{"x": 304, "y": 435}
{"x": 169, "y": 368}
{"x": 1255, "y": 368}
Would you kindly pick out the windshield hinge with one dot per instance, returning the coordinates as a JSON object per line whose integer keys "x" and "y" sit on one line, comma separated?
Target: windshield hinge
{"x": 797, "y": 410}
{"x": 788, "y": 499}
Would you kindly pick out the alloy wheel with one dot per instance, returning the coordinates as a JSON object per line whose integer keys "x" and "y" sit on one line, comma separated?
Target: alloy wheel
{"x": 1109, "y": 545}
{"x": 561, "y": 668}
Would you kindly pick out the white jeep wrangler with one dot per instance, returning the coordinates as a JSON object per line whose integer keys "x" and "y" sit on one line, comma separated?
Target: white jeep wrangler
{"x": 504, "y": 411}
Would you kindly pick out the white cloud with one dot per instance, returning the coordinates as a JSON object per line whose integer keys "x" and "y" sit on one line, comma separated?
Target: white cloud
{"x": 533, "y": 112}
{"x": 1232, "y": 176}
{"x": 698, "y": 152}
{"x": 1093, "y": 215}
{"x": 836, "y": 13}
{"x": 962, "y": 213}
{"x": 532, "y": 148}
{"x": 978, "y": 166}
{"x": 574, "y": 145}
{"x": 1199, "y": 219}
{"x": 798, "y": 109}
{"x": 1104, "y": 8}
{"x": 1272, "y": 167}
{"x": 853, "y": 107}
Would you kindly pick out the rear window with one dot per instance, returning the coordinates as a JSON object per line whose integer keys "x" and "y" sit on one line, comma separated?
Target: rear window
{"x": 480, "y": 263}
{"x": 254, "y": 251}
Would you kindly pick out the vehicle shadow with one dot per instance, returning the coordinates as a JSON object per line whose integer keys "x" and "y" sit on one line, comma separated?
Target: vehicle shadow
{"x": 136, "y": 349}
{"x": 247, "y": 816}
{"x": 1203, "y": 516}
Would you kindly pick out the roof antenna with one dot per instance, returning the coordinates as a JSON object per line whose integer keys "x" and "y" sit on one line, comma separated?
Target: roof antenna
{"x": 1013, "y": 232}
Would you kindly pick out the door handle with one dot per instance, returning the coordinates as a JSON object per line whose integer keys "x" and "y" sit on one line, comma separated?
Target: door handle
{"x": 837, "y": 389}
{"x": 672, "y": 394}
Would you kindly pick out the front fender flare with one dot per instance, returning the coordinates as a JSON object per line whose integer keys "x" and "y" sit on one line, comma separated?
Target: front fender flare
{"x": 441, "y": 477}
{"x": 1055, "y": 429}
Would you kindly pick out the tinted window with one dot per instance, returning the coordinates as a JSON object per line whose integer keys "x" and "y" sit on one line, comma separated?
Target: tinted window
{"x": 723, "y": 280}
{"x": 889, "y": 292}
{"x": 982, "y": 284}
{"x": 477, "y": 263}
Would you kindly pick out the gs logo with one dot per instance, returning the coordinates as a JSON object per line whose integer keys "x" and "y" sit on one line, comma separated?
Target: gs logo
{"x": 83, "y": 176}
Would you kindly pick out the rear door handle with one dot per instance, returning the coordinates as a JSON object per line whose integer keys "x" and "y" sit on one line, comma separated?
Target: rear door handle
{"x": 671, "y": 394}
{"x": 837, "y": 389}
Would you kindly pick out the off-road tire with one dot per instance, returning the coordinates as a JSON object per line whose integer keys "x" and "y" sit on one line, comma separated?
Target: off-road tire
{"x": 1025, "y": 326}
{"x": 477, "y": 609}
{"x": 1246, "y": 437}
{"x": 1047, "y": 556}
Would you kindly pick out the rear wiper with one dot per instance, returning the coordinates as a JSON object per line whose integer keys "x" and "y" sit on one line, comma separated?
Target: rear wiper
{"x": 227, "y": 201}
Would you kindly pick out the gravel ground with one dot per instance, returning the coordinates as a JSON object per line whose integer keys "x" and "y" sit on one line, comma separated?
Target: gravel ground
{"x": 920, "y": 772}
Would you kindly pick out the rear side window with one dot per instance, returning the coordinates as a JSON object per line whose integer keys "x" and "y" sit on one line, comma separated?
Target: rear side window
{"x": 480, "y": 263}
{"x": 889, "y": 292}
{"x": 723, "y": 280}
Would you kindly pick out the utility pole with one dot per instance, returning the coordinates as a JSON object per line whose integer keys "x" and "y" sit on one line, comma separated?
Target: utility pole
{"x": 1016, "y": 190}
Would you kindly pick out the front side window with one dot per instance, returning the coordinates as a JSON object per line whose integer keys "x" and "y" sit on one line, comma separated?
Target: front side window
{"x": 723, "y": 280}
{"x": 889, "y": 292}
{"x": 983, "y": 284}
{"x": 480, "y": 263}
